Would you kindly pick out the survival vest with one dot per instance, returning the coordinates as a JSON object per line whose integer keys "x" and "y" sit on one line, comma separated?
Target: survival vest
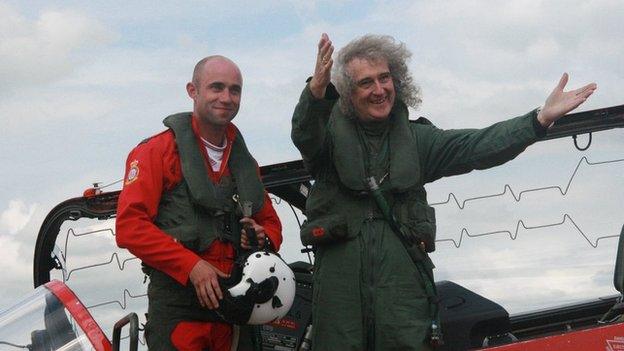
{"x": 196, "y": 212}
{"x": 339, "y": 204}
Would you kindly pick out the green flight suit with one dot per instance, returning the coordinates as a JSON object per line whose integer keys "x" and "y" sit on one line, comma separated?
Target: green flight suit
{"x": 368, "y": 293}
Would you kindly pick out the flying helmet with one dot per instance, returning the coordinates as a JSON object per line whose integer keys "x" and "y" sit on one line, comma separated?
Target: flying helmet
{"x": 261, "y": 287}
{"x": 260, "y": 290}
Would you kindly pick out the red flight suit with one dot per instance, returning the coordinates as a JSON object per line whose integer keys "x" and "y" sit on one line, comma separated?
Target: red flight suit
{"x": 153, "y": 167}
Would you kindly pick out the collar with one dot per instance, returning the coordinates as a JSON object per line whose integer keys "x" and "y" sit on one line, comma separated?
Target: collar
{"x": 230, "y": 136}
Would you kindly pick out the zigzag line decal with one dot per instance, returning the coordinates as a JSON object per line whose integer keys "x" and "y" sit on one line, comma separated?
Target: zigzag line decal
{"x": 514, "y": 235}
{"x": 123, "y": 304}
{"x": 74, "y": 234}
{"x": 518, "y": 197}
{"x": 114, "y": 257}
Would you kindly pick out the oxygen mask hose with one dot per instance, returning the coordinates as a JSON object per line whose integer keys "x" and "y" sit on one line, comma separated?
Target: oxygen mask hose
{"x": 380, "y": 200}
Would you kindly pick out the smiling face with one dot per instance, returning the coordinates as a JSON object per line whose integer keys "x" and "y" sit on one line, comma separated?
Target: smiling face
{"x": 373, "y": 95}
{"x": 216, "y": 92}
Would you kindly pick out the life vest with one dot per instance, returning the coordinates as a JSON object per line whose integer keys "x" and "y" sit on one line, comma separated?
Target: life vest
{"x": 339, "y": 203}
{"x": 196, "y": 212}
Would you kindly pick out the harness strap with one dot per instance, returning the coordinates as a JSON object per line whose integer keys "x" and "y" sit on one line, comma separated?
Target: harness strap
{"x": 430, "y": 288}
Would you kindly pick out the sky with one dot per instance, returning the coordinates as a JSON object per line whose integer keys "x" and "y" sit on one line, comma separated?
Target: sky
{"x": 81, "y": 83}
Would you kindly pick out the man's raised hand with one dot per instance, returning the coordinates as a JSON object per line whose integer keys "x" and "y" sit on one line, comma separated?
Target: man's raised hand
{"x": 560, "y": 102}
{"x": 322, "y": 70}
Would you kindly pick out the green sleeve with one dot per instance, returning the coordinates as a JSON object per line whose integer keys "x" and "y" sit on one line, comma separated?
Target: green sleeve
{"x": 450, "y": 152}
{"x": 309, "y": 125}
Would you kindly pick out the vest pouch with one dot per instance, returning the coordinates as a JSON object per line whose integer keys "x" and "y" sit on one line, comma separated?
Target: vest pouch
{"x": 323, "y": 230}
{"x": 418, "y": 225}
{"x": 323, "y": 197}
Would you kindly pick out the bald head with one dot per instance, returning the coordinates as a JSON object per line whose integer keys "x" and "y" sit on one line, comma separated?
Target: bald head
{"x": 206, "y": 63}
{"x": 216, "y": 92}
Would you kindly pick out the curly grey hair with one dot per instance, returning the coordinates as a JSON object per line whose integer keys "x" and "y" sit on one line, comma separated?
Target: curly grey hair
{"x": 372, "y": 48}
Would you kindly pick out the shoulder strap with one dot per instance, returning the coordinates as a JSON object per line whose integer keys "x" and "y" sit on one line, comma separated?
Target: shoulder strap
{"x": 241, "y": 163}
{"x": 202, "y": 191}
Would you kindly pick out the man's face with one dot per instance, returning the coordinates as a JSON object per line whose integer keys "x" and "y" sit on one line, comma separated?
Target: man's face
{"x": 216, "y": 95}
{"x": 373, "y": 95}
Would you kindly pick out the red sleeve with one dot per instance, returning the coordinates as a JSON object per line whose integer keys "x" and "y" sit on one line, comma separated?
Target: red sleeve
{"x": 151, "y": 168}
{"x": 267, "y": 217}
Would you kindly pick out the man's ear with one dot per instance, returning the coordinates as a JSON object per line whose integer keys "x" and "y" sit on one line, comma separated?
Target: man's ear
{"x": 191, "y": 90}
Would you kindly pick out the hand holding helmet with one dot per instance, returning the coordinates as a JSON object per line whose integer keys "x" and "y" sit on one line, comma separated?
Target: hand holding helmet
{"x": 204, "y": 278}
{"x": 260, "y": 290}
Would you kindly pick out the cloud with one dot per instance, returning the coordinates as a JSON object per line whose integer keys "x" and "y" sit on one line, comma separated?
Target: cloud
{"x": 16, "y": 216}
{"x": 16, "y": 272}
{"x": 39, "y": 51}
{"x": 56, "y": 107}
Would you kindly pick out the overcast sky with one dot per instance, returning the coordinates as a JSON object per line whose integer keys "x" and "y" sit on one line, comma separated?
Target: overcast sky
{"x": 81, "y": 83}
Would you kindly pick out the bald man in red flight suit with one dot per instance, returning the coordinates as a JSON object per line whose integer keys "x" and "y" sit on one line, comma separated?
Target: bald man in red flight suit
{"x": 177, "y": 204}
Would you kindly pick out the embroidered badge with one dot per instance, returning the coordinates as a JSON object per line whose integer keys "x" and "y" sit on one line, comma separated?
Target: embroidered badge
{"x": 133, "y": 172}
{"x": 318, "y": 231}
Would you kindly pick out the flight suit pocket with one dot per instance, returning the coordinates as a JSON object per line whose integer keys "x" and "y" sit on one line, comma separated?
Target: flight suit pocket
{"x": 419, "y": 225}
{"x": 323, "y": 230}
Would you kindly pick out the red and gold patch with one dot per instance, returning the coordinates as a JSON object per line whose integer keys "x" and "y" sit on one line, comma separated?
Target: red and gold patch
{"x": 133, "y": 172}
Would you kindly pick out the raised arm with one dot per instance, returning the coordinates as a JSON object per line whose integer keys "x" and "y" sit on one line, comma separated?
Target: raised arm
{"x": 451, "y": 152}
{"x": 309, "y": 122}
